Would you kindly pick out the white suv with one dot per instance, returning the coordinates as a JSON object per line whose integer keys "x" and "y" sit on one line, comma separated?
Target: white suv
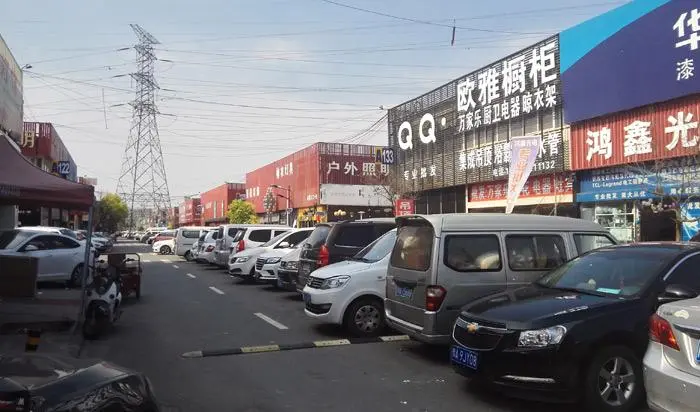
{"x": 243, "y": 264}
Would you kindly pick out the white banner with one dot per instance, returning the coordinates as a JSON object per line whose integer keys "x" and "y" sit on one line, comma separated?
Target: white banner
{"x": 355, "y": 195}
{"x": 524, "y": 151}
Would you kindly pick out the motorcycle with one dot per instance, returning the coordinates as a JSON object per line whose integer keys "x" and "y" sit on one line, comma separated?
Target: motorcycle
{"x": 104, "y": 299}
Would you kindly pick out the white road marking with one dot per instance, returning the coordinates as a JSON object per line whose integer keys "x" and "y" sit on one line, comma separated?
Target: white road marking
{"x": 191, "y": 276}
{"x": 145, "y": 261}
{"x": 219, "y": 291}
{"x": 271, "y": 321}
{"x": 176, "y": 266}
{"x": 165, "y": 261}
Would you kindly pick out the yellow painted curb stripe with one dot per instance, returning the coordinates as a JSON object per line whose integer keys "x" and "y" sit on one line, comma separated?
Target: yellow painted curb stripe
{"x": 338, "y": 342}
{"x": 257, "y": 349}
{"x": 396, "y": 338}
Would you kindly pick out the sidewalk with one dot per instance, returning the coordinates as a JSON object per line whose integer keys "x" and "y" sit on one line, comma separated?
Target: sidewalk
{"x": 53, "y": 310}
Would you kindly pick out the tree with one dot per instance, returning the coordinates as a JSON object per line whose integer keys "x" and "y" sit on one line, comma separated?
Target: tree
{"x": 240, "y": 211}
{"x": 110, "y": 213}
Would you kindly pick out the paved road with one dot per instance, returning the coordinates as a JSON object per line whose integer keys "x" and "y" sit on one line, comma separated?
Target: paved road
{"x": 188, "y": 307}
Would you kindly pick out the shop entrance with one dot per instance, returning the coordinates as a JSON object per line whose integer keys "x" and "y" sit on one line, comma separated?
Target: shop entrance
{"x": 657, "y": 226}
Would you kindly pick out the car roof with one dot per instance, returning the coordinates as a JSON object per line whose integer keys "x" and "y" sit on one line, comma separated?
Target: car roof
{"x": 680, "y": 247}
{"x": 454, "y": 222}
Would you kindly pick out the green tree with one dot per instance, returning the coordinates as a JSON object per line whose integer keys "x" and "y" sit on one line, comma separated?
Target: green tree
{"x": 240, "y": 211}
{"x": 110, "y": 213}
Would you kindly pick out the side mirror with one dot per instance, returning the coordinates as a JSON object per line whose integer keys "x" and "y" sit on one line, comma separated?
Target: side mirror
{"x": 284, "y": 245}
{"x": 30, "y": 248}
{"x": 674, "y": 293}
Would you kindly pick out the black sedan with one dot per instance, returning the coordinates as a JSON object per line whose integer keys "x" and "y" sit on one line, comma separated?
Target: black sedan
{"x": 580, "y": 332}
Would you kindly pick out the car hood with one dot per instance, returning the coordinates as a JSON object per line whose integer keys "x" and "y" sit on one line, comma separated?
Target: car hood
{"x": 538, "y": 307}
{"x": 292, "y": 256}
{"x": 276, "y": 253}
{"x": 346, "y": 267}
{"x": 256, "y": 251}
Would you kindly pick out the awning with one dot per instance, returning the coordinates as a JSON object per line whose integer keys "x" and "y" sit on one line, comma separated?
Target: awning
{"x": 25, "y": 185}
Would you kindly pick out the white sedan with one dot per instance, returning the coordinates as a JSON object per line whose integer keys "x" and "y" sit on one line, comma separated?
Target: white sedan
{"x": 164, "y": 247}
{"x": 60, "y": 258}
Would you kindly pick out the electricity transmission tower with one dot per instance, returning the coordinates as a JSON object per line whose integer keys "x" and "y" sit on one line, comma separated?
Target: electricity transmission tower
{"x": 142, "y": 183}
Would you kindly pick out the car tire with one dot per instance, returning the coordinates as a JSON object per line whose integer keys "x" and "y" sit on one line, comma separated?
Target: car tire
{"x": 165, "y": 250}
{"x": 614, "y": 381}
{"x": 365, "y": 317}
{"x": 76, "y": 276}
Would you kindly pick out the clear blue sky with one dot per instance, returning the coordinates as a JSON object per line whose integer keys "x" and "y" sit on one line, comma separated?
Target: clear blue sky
{"x": 332, "y": 66}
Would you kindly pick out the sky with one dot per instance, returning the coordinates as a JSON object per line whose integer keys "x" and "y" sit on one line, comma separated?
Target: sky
{"x": 243, "y": 83}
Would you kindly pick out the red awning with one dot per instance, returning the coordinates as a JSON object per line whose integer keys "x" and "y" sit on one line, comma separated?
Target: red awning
{"x": 25, "y": 185}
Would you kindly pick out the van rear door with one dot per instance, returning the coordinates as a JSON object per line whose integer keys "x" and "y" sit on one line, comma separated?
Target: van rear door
{"x": 409, "y": 271}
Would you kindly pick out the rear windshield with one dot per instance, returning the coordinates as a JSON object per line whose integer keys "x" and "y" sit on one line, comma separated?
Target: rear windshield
{"x": 319, "y": 236}
{"x": 11, "y": 239}
{"x": 355, "y": 235}
{"x": 413, "y": 248}
{"x": 239, "y": 235}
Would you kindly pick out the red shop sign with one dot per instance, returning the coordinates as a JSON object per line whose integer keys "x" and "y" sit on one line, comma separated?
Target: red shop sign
{"x": 536, "y": 186}
{"x": 405, "y": 207}
{"x": 655, "y": 132}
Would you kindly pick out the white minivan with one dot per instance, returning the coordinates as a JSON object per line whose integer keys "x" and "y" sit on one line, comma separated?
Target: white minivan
{"x": 185, "y": 237}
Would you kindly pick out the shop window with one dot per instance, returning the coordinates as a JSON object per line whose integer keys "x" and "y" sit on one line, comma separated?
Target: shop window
{"x": 618, "y": 218}
{"x": 586, "y": 243}
{"x": 535, "y": 252}
{"x": 473, "y": 253}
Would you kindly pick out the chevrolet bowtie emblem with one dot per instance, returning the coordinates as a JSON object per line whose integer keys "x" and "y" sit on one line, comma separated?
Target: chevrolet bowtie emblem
{"x": 472, "y": 327}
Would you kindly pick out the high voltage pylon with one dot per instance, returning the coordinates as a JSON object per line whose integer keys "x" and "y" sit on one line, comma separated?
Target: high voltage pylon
{"x": 142, "y": 183}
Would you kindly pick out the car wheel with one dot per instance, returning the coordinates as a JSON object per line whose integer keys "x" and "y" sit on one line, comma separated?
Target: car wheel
{"x": 165, "y": 250}
{"x": 188, "y": 256}
{"x": 77, "y": 276}
{"x": 614, "y": 381}
{"x": 365, "y": 317}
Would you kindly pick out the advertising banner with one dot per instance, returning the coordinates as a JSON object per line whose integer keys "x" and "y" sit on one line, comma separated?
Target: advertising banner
{"x": 11, "y": 101}
{"x": 676, "y": 178}
{"x": 656, "y": 132}
{"x": 640, "y": 53}
{"x": 404, "y": 207}
{"x": 691, "y": 213}
{"x": 523, "y": 153}
{"x": 536, "y": 188}
{"x": 355, "y": 195}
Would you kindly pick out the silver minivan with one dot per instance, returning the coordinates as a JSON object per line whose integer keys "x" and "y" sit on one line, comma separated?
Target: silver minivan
{"x": 442, "y": 262}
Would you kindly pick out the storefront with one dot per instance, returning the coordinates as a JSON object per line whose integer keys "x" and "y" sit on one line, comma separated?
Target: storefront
{"x": 214, "y": 202}
{"x": 457, "y": 136}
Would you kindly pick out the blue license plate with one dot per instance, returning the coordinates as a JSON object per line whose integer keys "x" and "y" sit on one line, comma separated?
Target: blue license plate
{"x": 307, "y": 298}
{"x": 465, "y": 357}
{"x": 697, "y": 354}
{"x": 406, "y": 293}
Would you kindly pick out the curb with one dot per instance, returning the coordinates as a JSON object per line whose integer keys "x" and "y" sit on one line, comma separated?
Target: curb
{"x": 293, "y": 346}
{"x": 11, "y": 328}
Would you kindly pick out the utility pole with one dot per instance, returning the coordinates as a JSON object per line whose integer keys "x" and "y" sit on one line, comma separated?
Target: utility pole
{"x": 142, "y": 183}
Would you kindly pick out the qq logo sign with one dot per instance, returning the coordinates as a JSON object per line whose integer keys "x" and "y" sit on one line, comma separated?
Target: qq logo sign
{"x": 426, "y": 131}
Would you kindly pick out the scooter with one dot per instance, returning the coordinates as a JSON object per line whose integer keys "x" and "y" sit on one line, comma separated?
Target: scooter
{"x": 104, "y": 299}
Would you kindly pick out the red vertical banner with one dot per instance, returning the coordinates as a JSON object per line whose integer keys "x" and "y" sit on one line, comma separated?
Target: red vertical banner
{"x": 404, "y": 207}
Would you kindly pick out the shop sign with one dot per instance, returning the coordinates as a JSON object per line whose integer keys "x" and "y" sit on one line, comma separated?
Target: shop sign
{"x": 524, "y": 151}
{"x": 598, "y": 80}
{"x": 285, "y": 170}
{"x": 404, "y": 207}
{"x": 420, "y": 173}
{"x": 664, "y": 131}
{"x": 691, "y": 212}
{"x": 385, "y": 155}
{"x": 251, "y": 192}
{"x": 355, "y": 195}
{"x": 350, "y": 168}
{"x": 516, "y": 86}
{"x": 536, "y": 186}
{"x": 497, "y": 157}
{"x": 426, "y": 132}
{"x": 670, "y": 178}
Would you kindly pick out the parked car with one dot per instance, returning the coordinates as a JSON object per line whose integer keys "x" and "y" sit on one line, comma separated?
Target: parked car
{"x": 351, "y": 293}
{"x": 185, "y": 238}
{"x": 245, "y": 263}
{"x": 60, "y": 258}
{"x": 288, "y": 269}
{"x": 206, "y": 248}
{"x": 334, "y": 243}
{"x": 225, "y": 241}
{"x": 267, "y": 264}
{"x": 672, "y": 360}
{"x": 164, "y": 247}
{"x": 253, "y": 236}
{"x": 442, "y": 262}
{"x": 580, "y": 332}
{"x": 164, "y": 235}
{"x": 98, "y": 246}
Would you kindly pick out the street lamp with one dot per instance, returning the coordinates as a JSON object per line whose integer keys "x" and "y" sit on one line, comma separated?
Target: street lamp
{"x": 289, "y": 195}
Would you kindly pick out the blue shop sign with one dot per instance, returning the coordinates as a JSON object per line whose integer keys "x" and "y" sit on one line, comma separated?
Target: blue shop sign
{"x": 676, "y": 178}
{"x": 691, "y": 212}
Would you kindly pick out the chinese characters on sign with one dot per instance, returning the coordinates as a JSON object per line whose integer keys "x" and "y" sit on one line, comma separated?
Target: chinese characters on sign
{"x": 252, "y": 192}
{"x": 536, "y": 186}
{"x": 284, "y": 170}
{"x": 421, "y": 173}
{"x": 524, "y": 152}
{"x": 350, "y": 168}
{"x": 404, "y": 207}
{"x": 28, "y": 140}
{"x": 511, "y": 88}
{"x": 687, "y": 28}
{"x": 498, "y": 156}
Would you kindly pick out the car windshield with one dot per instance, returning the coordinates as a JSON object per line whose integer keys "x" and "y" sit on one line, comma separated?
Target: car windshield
{"x": 378, "y": 249}
{"x": 614, "y": 272}
{"x": 12, "y": 239}
{"x": 274, "y": 239}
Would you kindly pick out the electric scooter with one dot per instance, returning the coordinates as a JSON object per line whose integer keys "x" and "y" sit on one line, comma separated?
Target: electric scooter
{"x": 103, "y": 306}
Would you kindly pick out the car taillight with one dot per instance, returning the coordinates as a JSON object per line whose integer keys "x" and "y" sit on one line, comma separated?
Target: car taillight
{"x": 241, "y": 245}
{"x": 434, "y": 296}
{"x": 660, "y": 330}
{"x": 210, "y": 248}
{"x": 323, "y": 256}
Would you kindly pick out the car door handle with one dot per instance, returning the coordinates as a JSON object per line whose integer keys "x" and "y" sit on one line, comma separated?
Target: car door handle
{"x": 381, "y": 277}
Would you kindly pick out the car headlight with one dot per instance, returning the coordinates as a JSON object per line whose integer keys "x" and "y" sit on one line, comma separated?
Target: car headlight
{"x": 242, "y": 259}
{"x": 335, "y": 282}
{"x": 542, "y": 337}
{"x": 292, "y": 265}
{"x": 273, "y": 260}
